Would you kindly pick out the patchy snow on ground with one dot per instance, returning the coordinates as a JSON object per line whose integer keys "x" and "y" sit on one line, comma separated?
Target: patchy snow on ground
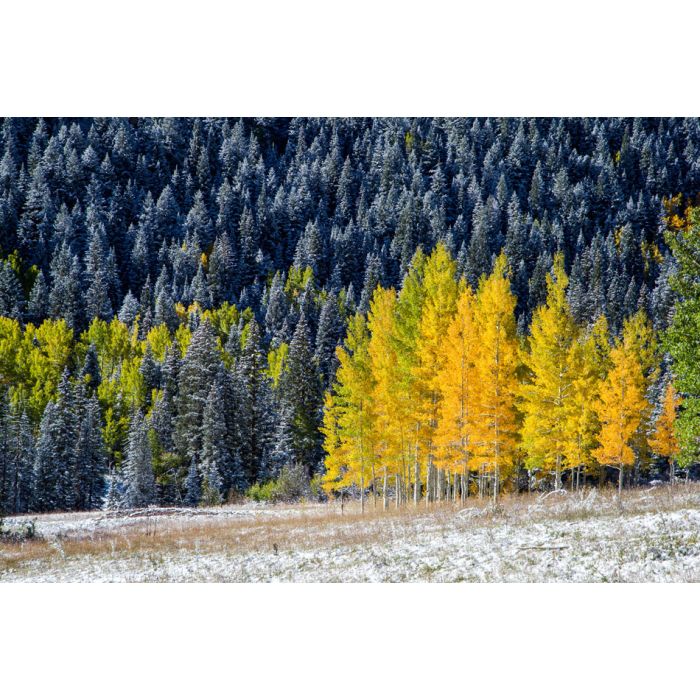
{"x": 652, "y": 537}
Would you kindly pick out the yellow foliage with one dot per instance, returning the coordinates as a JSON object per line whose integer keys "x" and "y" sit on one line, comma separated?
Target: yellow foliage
{"x": 664, "y": 441}
{"x": 390, "y": 394}
{"x": 276, "y": 361}
{"x": 349, "y": 426}
{"x": 495, "y": 421}
{"x": 589, "y": 358}
{"x": 159, "y": 339}
{"x": 620, "y": 407}
{"x": 439, "y": 301}
{"x": 458, "y": 379}
{"x": 547, "y": 394}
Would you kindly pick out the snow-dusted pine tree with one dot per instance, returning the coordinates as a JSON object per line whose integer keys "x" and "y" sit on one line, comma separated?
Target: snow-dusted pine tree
{"x": 138, "y": 477}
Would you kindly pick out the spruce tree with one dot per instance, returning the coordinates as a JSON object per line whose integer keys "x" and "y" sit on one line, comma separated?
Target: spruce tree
{"x": 139, "y": 480}
{"x": 90, "y": 457}
{"x": 199, "y": 369}
{"x": 11, "y": 296}
{"x": 21, "y": 450}
{"x": 328, "y": 337}
{"x": 255, "y": 409}
{"x": 216, "y": 459}
{"x": 193, "y": 485}
{"x": 300, "y": 392}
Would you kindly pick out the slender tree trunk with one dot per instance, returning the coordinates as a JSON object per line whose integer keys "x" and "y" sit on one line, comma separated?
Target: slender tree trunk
{"x": 495, "y": 472}
{"x": 398, "y": 486}
{"x": 619, "y": 481}
{"x": 374, "y": 489}
{"x": 416, "y": 483}
{"x": 384, "y": 491}
{"x": 362, "y": 493}
{"x": 428, "y": 481}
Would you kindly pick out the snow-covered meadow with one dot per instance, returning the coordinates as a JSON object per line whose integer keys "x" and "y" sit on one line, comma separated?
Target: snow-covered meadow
{"x": 652, "y": 535}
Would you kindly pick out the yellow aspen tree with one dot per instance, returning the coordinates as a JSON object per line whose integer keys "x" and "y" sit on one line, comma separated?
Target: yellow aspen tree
{"x": 390, "y": 394}
{"x": 550, "y": 376}
{"x": 664, "y": 441}
{"x": 407, "y": 321}
{"x": 620, "y": 407}
{"x": 589, "y": 357}
{"x": 438, "y": 308}
{"x": 640, "y": 339}
{"x": 458, "y": 380}
{"x": 495, "y": 423}
{"x": 349, "y": 420}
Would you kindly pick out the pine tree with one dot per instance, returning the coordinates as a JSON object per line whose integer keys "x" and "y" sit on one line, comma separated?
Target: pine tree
{"x": 193, "y": 485}
{"x": 255, "y": 409}
{"x": 300, "y": 390}
{"x": 328, "y": 337}
{"x": 11, "y": 296}
{"x": 66, "y": 288}
{"x": 64, "y": 440}
{"x": 216, "y": 459}
{"x": 6, "y": 462}
{"x": 114, "y": 496}
{"x": 38, "y": 308}
{"x": 45, "y": 477}
{"x": 200, "y": 366}
{"x": 139, "y": 480}
{"x": 90, "y": 457}
{"x": 21, "y": 450}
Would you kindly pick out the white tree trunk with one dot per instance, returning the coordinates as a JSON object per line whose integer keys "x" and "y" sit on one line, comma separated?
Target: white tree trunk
{"x": 416, "y": 483}
{"x": 384, "y": 490}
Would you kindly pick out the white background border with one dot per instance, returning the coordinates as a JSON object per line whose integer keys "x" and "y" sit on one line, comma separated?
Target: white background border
{"x": 80, "y": 57}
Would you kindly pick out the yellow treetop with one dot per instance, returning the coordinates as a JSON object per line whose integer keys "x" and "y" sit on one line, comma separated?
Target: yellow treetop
{"x": 547, "y": 393}
{"x": 391, "y": 400}
{"x": 589, "y": 358}
{"x": 664, "y": 441}
{"x": 349, "y": 420}
{"x": 620, "y": 409}
{"x": 458, "y": 381}
{"x": 496, "y": 362}
{"x": 438, "y": 309}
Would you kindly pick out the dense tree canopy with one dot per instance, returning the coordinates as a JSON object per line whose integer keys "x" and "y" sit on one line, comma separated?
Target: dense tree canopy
{"x": 150, "y": 267}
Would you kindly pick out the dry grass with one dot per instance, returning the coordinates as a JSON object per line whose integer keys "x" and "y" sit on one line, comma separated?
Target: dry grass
{"x": 292, "y": 528}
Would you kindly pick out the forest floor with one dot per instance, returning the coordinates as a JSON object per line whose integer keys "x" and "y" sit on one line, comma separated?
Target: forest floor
{"x": 653, "y": 534}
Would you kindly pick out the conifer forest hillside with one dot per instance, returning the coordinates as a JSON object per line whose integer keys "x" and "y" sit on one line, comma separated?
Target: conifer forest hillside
{"x": 195, "y": 311}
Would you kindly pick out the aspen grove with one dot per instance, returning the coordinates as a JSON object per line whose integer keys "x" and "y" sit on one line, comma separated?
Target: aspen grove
{"x": 437, "y": 397}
